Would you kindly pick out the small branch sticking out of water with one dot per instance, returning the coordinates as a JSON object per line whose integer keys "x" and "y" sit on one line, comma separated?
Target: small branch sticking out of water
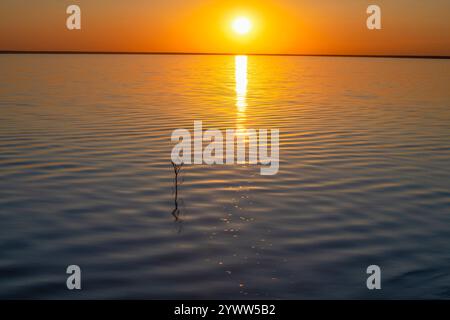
{"x": 176, "y": 170}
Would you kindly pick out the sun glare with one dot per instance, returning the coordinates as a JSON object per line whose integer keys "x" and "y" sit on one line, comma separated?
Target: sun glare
{"x": 242, "y": 25}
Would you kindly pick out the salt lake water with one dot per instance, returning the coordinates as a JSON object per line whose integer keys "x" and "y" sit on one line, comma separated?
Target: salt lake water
{"x": 86, "y": 178}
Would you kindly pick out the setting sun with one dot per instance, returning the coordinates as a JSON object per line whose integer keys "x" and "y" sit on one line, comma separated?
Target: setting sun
{"x": 242, "y": 25}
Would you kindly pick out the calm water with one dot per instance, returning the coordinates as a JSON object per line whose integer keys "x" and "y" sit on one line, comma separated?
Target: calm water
{"x": 86, "y": 179}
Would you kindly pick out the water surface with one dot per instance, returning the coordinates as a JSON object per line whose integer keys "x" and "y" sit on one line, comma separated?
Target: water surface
{"x": 86, "y": 179}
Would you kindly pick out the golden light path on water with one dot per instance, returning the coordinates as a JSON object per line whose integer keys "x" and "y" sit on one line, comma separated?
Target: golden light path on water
{"x": 241, "y": 89}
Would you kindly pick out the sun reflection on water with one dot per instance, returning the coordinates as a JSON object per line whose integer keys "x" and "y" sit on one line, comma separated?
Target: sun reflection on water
{"x": 241, "y": 88}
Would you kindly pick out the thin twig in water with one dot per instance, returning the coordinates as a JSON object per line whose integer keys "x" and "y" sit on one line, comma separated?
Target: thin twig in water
{"x": 176, "y": 169}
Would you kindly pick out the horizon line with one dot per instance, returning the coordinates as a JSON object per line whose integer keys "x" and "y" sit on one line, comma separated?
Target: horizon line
{"x": 400, "y": 56}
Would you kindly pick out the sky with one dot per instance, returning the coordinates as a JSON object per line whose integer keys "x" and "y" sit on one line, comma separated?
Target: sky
{"x": 409, "y": 27}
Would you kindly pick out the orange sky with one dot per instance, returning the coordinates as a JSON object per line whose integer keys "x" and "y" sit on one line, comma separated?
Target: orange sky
{"x": 282, "y": 26}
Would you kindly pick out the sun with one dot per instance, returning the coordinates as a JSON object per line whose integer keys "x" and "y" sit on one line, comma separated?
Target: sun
{"x": 242, "y": 25}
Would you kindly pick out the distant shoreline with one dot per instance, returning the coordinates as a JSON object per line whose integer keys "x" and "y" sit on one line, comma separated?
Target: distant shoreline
{"x": 227, "y": 54}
